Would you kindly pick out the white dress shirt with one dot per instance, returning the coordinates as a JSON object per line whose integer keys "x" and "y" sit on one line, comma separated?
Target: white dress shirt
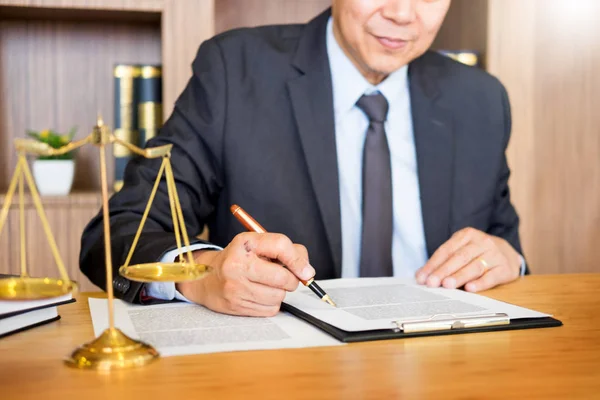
{"x": 409, "y": 251}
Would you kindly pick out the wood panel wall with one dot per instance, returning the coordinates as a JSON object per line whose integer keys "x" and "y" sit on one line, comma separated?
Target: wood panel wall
{"x": 547, "y": 54}
{"x": 231, "y": 14}
{"x": 185, "y": 25}
{"x": 58, "y": 74}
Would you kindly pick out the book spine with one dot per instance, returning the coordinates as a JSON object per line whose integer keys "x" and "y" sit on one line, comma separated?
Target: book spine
{"x": 126, "y": 79}
{"x": 150, "y": 103}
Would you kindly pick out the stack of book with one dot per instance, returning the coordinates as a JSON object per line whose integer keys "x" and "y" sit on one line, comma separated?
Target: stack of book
{"x": 138, "y": 110}
{"x": 17, "y": 316}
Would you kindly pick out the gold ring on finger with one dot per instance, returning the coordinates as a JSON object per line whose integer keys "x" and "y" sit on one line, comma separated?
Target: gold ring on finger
{"x": 486, "y": 266}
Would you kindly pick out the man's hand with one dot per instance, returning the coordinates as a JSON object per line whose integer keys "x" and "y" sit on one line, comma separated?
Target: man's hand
{"x": 471, "y": 258}
{"x": 247, "y": 277}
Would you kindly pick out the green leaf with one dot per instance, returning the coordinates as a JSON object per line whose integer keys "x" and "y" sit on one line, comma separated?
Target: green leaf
{"x": 55, "y": 140}
{"x": 72, "y": 132}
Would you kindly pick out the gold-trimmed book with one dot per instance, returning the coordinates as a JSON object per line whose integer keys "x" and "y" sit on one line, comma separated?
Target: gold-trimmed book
{"x": 150, "y": 113}
{"x": 466, "y": 57}
{"x": 127, "y": 79}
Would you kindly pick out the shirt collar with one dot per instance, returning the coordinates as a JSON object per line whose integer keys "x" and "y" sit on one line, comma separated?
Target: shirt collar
{"x": 349, "y": 84}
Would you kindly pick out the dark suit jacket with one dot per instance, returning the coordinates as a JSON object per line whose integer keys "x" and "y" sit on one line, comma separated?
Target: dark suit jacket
{"x": 255, "y": 126}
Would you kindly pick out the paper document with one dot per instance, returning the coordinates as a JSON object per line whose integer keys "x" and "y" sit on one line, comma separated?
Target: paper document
{"x": 181, "y": 328}
{"x": 378, "y": 303}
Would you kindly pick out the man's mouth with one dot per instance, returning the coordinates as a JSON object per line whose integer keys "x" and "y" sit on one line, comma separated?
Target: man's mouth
{"x": 391, "y": 43}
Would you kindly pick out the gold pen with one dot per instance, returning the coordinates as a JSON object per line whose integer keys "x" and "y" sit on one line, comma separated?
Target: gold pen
{"x": 253, "y": 226}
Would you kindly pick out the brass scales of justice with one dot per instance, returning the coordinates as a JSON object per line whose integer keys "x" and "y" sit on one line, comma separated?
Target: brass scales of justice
{"x": 112, "y": 349}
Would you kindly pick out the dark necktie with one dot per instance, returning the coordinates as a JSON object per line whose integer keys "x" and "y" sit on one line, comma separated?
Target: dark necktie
{"x": 377, "y": 209}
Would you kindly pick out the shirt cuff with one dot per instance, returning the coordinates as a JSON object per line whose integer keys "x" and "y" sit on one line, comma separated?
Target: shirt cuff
{"x": 523, "y": 265}
{"x": 166, "y": 290}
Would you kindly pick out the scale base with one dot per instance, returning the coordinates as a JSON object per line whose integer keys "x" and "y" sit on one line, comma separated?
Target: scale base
{"x": 25, "y": 288}
{"x": 112, "y": 350}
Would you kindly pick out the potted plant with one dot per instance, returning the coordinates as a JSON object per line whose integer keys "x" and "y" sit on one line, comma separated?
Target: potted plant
{"x": 54, "y": 174}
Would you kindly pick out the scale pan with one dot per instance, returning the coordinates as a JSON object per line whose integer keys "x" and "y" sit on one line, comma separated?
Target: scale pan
{"x": 165, "y": 272}
{"x": 25, "y": 288}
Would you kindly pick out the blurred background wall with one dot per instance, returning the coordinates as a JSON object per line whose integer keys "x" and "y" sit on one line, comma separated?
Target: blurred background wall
{"x": 56, "y": 59}
{"x": 547, "y": 54}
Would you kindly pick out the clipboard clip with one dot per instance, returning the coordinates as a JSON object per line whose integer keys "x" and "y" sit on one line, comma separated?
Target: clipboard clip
{"x": 442, "y": 323}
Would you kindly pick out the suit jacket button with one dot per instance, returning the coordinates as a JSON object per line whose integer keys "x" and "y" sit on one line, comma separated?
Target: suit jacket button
{"x": 118, "y": 285}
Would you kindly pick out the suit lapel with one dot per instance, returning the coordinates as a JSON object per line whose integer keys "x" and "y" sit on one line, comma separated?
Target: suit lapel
{"x": 312, "y": 101}
{"x": 434, "y": 142}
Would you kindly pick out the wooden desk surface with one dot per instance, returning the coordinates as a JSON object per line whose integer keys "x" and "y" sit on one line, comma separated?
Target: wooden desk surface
{"x": 541, "y": 363}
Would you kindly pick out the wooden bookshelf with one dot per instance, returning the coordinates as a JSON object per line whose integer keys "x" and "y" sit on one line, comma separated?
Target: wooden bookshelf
{"x": 117, "y": 5}
{"x": 57, "y": 59}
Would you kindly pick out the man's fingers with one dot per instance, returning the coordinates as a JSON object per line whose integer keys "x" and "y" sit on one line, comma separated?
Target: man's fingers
{"x": 258, "y": 310}
{"x": 250, "y": 309}
{"x": 459, "y": 259}
{"x": 267, "y": 273}
{"x": 301, "y": 250}
{"x": 444, "y": 252}
{"x": 472, "y": 271}
{"x": 491, "y": 278}
{"x": 263, "y": 295}
{"x": 279, "y": 247}
{"x": 249, "y": 279}
{"x": 242, "y": 296}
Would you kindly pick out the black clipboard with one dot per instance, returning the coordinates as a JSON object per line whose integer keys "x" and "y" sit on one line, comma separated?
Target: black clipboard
{"x": 384, "y": 334}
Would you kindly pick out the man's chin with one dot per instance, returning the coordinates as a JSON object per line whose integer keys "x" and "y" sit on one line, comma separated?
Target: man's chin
{"x": 387, "y": 64}
{"x": 386, "y": 68}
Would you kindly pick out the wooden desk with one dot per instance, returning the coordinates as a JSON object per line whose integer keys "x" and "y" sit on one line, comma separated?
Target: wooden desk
{"x": 542, "y": 363}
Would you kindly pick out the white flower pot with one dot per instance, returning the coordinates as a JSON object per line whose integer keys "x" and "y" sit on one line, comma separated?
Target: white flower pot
{"x": 54, "y": 177}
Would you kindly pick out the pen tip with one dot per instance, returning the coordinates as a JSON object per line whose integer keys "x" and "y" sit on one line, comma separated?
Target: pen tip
{"x": 328, "y": 300}
{"x": 234, "y": 208}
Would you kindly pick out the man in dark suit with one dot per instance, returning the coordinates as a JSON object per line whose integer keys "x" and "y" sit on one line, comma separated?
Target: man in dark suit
{"x": 363, "y": 151}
